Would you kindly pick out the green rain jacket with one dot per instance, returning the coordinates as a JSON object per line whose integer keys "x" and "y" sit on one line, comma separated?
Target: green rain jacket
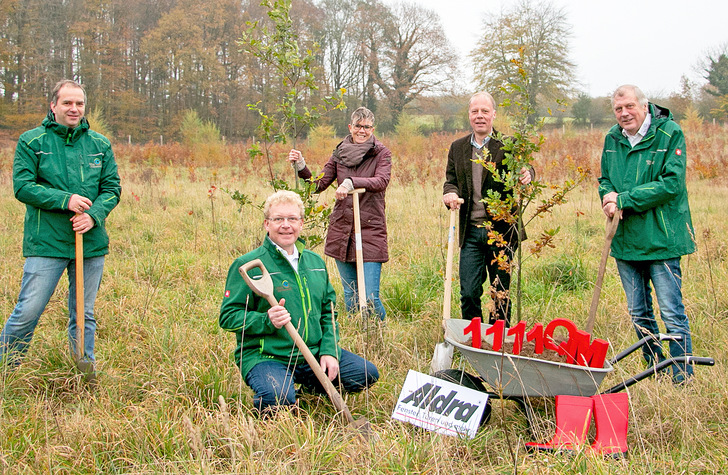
{"x": 650, "y": 181}
{"x": 52, "y": 162}
{"x": 310, "y": 299}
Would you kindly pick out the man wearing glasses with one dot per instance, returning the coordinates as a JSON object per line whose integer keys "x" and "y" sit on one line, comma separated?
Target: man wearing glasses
{"x": 266, "y": 355}
{"x": 470, "y": 181}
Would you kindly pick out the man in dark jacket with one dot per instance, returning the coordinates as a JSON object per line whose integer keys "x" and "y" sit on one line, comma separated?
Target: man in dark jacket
{"x": 643, "y": 174}
{"x": 66, "y": 175}
{"x": 466, "y": 179}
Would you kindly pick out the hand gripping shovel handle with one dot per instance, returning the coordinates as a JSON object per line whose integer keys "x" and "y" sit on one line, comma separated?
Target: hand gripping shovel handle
{"x": 80, "y": 311}
{"x": 612, "y": 225}
{"x": 264, "y": 288}
{"x": 359, "y": 251}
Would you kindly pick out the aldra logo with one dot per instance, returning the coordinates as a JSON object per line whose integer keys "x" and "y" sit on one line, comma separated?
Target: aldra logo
{"x": 428, "y": 397}
{"x": 439, "y": 405}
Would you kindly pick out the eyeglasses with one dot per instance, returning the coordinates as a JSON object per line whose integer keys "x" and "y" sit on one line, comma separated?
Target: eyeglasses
{"x": 281, "y": 219}
{"x": 365, "y": 127}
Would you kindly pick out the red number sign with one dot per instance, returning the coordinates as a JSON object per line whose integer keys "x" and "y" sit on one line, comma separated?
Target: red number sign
{"x": 578, "y": 348}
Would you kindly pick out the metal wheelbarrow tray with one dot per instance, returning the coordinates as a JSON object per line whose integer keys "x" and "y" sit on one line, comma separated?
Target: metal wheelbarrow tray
{"x": 519, "y": 378}
{"x": 515, "y": 376}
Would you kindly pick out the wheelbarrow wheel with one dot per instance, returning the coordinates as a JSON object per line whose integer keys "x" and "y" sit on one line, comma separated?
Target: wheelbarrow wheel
{"x": 463, "y": 378}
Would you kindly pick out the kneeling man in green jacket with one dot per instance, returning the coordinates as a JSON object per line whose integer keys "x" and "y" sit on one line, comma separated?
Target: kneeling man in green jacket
{"x": 266, "y": 355}
{"x": 643, "y": 175}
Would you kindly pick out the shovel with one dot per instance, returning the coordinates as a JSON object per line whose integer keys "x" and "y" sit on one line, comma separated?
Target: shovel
{"x": 442, "y": 357}
{"x": 84, "y": 366}
{"x": 359, "y": 253}
{"x": 264, "y": 288}
{"x": 80, "y": 317}
{"x": 611, "y": 230}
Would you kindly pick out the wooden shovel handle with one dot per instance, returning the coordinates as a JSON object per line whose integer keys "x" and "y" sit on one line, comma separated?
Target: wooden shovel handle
{"x": 80, "y": 311}
{"x": 612, "y": 225}
{"x": 447, "y": 301}
{"x": 359, "y": 250}
{"x": 264, "y": 288}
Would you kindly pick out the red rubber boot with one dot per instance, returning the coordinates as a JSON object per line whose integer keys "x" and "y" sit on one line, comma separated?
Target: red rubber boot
{"x": 573, "y": 416}
{"x": 611, "y": 415}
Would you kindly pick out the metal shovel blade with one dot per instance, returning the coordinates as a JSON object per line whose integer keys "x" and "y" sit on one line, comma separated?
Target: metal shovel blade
{"x": 441, "y": 357}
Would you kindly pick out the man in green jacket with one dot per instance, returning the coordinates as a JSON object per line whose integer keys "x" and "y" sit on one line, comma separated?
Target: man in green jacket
{"x": 643, "y": 174}
{"x": 268, "y": 360}
{"x": 66, "y": 175}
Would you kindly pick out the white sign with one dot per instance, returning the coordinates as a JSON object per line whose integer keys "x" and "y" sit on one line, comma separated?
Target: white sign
{"x": 438, "y": 405}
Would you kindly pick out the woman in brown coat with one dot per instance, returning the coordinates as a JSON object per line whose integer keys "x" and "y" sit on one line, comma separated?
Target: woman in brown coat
{"x": 359, "y": 161}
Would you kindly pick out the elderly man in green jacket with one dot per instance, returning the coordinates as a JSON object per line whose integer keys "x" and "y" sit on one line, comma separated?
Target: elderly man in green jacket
{"x": 268, "y": 360}
{"x": 66, "y": 176}
{"x": 643, "y": 174}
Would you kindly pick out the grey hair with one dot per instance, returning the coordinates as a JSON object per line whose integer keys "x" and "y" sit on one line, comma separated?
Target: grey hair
{"x": 482, "y": 94}
{"x": 627, "y": 88}
{"x": 283, "y": 197}
{"x": 360, "y": 114}
{"x": 65, "y": 82}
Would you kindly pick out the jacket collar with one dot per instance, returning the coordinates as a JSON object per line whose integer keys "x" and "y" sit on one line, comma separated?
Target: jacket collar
{"x": 271, "y": 247}
{"x": 68, "y": 134}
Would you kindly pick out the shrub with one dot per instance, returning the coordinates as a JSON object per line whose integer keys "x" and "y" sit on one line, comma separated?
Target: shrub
{"x": 98, "y": 123}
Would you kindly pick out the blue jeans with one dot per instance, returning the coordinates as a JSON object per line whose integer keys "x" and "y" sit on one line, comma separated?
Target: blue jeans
{"x": 40, "y": 278}
{"x": 372, "y": 274}
{"x": 272, "y": 381}
{"x": 477, "y": 267}
{"x": 666, "y": 277}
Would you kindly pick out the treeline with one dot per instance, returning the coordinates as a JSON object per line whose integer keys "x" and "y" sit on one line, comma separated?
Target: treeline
{"x": 147, "y": 64}
{"x": 144, "y": 63}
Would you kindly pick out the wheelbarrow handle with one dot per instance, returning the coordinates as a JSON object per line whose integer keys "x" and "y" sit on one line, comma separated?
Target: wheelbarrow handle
{"x": 659, "y": 337}
{"x": 696, "y": 360}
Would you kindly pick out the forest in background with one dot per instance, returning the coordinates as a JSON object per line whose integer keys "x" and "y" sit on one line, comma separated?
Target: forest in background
{"x": 146, "y": 64}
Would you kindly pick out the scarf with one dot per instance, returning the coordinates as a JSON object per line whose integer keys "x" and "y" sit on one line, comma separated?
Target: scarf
{"x": 351, "y": 154}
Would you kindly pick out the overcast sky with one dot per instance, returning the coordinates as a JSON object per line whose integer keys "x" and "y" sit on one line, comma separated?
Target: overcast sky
{"x": 649, "y": 43}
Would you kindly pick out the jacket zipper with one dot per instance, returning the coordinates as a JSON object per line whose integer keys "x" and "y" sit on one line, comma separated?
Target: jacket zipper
{"x": 303, "y": 293}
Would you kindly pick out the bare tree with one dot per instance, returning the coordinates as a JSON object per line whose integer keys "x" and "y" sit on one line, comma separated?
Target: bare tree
{"x": 338, "y": 42}
{"x": 540, "y": 29}
{"x": 415, "y": 58}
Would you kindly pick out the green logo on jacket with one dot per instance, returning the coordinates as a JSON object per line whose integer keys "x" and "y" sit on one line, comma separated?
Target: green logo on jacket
{"x": 284, "y": 287}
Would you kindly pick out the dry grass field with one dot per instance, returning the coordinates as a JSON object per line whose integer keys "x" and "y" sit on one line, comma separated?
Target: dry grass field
{"x": 170, "y": 400}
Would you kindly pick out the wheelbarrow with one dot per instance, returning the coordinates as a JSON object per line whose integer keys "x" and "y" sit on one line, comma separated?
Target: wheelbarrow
{"x": 515, "y": 377}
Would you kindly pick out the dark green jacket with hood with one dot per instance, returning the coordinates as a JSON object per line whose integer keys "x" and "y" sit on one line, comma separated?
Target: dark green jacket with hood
{"x": 310, "y": 299}
{"x": 650, "y": 181}
{"x": 52, "y": 162}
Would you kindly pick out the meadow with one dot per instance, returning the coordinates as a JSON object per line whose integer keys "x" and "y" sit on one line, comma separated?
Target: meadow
{"x": 170, "y": 399}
